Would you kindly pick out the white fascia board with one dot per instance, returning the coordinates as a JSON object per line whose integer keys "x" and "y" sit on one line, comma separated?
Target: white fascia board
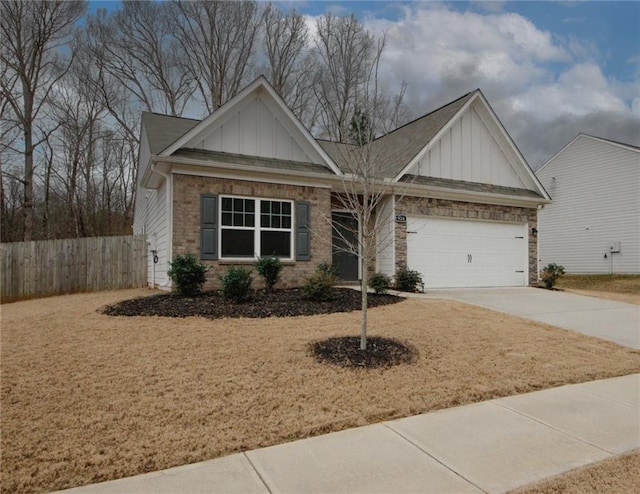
{"x": 628, "y": 147}
{"x": 260, "y": 82}
{"x": 410, "y": 190}
{"x": 587, "y": 136}
{"x": 435, "y": 139}
{"x": 194, "y": 167}
{"x": 217, "y": 114}
{"x": 523, "y": 162}
{"x": 302, "y": 129}
{"x": 559, "y": 153}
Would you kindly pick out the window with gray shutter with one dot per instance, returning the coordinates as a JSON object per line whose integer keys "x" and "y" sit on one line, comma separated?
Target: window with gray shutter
{"x": 303, "y": 235}
{"x": 208, "y": 226}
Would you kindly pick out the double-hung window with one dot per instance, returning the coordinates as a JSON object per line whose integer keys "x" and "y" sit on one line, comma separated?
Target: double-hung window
{"x": 251, "y": 227}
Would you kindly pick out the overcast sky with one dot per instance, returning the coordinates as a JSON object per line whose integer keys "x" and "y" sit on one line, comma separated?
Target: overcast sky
{"x": 549, "y": 69}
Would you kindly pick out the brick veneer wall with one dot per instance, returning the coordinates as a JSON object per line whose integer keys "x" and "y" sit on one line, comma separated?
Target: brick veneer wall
{"x": 186, "y": 222}
{"x": 466, "y": 210}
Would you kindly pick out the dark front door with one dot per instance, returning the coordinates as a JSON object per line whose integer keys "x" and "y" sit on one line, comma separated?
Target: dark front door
{"x": 345, "y": 239}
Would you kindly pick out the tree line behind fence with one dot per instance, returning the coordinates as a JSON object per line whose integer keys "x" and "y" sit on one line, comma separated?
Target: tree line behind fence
{"x": 50, "y": 267}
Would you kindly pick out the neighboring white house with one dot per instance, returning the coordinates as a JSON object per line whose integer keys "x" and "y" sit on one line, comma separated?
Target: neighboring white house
{"x": 593, "y": 224}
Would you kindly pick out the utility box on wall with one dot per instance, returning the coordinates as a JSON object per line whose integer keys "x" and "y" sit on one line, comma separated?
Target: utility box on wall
{"x": 614, "y": 247}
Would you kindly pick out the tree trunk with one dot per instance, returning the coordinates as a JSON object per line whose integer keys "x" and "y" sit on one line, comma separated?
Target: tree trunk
{"x": 28, "y": 184}
{"x": 363, "y": 288}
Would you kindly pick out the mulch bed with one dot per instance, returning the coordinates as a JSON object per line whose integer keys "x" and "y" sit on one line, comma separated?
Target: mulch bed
{"x": 279, "y": 303}
{"x": 345, "y": 352}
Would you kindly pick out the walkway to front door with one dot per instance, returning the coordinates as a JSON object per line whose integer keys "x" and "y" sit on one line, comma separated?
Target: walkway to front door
{"x": 345, "y": 234}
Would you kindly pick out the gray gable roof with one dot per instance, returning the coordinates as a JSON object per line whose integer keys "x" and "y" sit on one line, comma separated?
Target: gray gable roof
{"x": 164, "y": 130}
{"x": 393, "y": 151}
{"x": 396, "y": 149}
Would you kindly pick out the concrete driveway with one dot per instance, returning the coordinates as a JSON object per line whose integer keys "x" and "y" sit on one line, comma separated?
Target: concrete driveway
{"x": 607, "y": 319}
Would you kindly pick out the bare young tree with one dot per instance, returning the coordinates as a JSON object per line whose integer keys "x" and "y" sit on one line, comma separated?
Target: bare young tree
{"x": 30, "y": 36}
{"x": 366, "y": 190}
{"x": 217, "y": 40}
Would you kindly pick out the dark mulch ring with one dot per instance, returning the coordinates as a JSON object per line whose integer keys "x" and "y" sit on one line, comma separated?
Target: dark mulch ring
{"x": 279, "y": 303}
{"x": 345, "y": 352}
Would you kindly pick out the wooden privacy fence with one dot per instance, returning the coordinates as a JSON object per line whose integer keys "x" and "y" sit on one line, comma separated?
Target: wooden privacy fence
{"x": 51, "y": 267}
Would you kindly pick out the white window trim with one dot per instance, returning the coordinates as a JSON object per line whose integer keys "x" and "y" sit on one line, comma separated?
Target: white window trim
{"x": 256, "y": 228}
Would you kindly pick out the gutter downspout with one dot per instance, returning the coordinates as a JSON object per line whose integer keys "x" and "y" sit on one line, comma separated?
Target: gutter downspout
{"x": 169, "y": 180}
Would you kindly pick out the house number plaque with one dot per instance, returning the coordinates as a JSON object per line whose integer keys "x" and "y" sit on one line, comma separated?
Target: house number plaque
{"x": 401, "y": 218}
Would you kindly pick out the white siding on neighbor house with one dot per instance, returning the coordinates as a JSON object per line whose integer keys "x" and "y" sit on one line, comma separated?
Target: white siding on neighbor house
{"x": 385, "y": 238}
{"x": 595, "y": 186}
{"x": 257, "y": 128}
{"x": 468, "y": 151}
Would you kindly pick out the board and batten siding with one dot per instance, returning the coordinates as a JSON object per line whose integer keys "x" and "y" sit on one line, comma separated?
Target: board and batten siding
{"x": 469, "y": 152}
{"x": 385, "y": 255}
{"x": 595, "y": 188}
{"x": 255, "y": 129}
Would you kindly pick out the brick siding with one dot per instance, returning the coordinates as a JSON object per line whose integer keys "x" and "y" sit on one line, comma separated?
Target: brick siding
{"x": 187, "y": 190}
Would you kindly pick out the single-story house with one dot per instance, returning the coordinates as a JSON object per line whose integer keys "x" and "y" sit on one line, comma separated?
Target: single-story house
{"x": 249, "y": 180}
{"x": 593, "y": 225}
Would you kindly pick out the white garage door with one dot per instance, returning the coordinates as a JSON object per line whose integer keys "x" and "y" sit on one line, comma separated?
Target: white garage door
{"x": 459, "y": 253}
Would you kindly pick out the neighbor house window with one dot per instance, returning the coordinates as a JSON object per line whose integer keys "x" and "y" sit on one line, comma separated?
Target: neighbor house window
{"x": 255, "y": 227}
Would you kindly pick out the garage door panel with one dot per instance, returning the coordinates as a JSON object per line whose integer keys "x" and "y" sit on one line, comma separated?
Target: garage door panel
{"x": 459, "y": 253}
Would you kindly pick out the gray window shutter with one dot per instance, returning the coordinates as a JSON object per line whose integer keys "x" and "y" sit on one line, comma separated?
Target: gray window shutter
{"x": 208, "y": 226}
{"x": 303, "y": 235}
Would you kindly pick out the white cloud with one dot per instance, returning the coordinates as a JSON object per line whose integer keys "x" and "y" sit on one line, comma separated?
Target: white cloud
{"x": 545, "y": 87}
{"x": 580, "y": 90}
{"x": 534, "y": 79}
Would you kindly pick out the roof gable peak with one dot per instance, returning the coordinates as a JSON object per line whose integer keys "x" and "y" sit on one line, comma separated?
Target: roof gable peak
{"x": 288, "y": 125}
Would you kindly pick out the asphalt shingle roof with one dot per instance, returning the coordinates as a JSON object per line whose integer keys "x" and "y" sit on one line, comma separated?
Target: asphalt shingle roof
{"x": 470, "y": 186}
{"x": 392, "y": 152}
{"x": 241, "y": 160}
{"x": 396, "y": 149}
{"x": 164, "y": 130}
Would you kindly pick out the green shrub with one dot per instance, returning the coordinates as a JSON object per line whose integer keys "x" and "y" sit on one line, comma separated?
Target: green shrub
{"x": 321, "y": 285}
{"x": 269, "y": 268}
{"x": 187, "y": 274}
{"x": 408, "y": 280}
{"x": 380, "y": 283}
{"x": 550, "y": 274}
{"x": 236, "y": 284}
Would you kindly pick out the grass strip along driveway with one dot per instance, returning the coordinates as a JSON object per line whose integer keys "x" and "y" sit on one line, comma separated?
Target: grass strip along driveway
{"x": 88, "y": 397}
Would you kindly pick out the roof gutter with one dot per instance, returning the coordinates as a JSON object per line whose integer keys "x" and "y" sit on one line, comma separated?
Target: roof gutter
{"x": 387, "y": 185}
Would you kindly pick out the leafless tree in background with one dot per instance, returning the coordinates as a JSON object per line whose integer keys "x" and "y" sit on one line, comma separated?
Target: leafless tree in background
{"x": 31, "y": 34}
{"x": 72, "y": 94}
{"x": 290, "y": 61}
{"x": 347, "y": 51}
{"x": 136, "y": 47}
{"x": 218, "y": 41}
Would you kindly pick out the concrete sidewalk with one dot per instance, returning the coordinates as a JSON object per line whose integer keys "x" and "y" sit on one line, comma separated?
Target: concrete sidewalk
{"x": 607, "y": 319}
{"x": 494, "y": 446}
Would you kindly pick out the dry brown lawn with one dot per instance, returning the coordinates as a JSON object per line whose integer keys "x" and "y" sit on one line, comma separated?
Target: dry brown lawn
{"x": 618, "y": 475}
{"x": 620, "y": 287}
{"x": 88, "y": 397}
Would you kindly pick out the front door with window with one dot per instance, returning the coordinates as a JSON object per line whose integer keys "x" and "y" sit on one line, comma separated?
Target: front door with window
{"x": 344, "y": 240}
